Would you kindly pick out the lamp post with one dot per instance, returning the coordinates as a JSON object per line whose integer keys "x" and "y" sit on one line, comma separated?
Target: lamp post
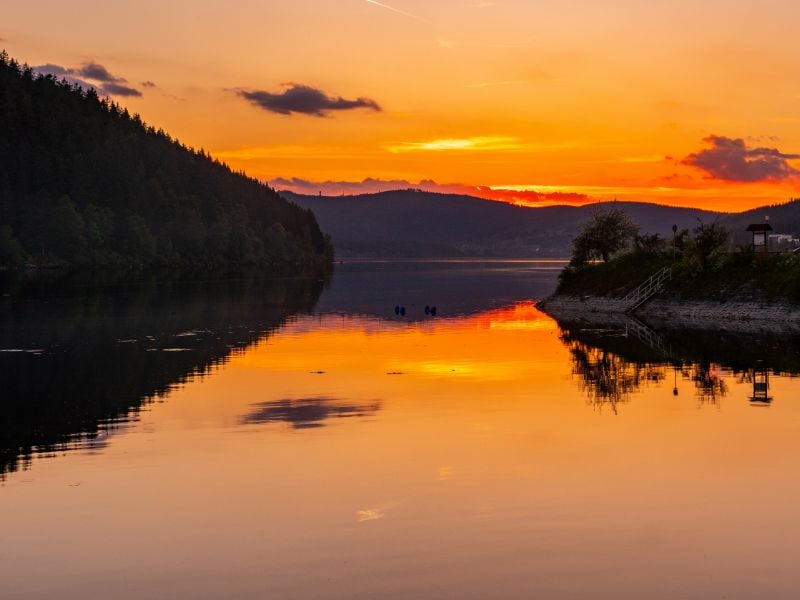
{"x": 674, "y": 233}
{"x": 675, "y": 380}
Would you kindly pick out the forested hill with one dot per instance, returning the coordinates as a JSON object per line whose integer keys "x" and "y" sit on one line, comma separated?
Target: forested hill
{"x": 85, "y": 183}
{"x": 411, "y": 223}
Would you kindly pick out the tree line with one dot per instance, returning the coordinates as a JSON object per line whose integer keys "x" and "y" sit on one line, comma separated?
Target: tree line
{"x": 610, "y": 257}
{"x": 85, "y": 183}
{"x": 610, "y": 231}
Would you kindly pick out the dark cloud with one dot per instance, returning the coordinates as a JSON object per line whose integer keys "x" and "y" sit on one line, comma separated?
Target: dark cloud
{"x": 303, "y": 99}
{"x": 306, "y": 413}
{"x": 730, "y": 159}
{"x": 96, "y": 72}
{"x": 51, "y": 69}
{"x": 149, "y": 84}
{"x": 60, "y": 72}
{"x": 92, "y": 75}
{"x": 119, "y": 89}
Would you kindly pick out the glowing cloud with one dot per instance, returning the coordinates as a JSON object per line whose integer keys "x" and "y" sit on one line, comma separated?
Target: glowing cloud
{"x": 369, "y": 514}
{"x": 458, "y": 145}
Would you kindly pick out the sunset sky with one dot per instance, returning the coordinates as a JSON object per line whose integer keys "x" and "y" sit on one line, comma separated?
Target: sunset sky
{"x": 680, "y": 102}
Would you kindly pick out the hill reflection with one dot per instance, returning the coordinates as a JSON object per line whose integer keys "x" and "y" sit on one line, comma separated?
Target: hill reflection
{"x": 81, "y": 357}
{"x": 456, "y": 287}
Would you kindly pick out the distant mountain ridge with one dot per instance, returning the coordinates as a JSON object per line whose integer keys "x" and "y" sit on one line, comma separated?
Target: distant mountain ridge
{"x": 413, "y": 223}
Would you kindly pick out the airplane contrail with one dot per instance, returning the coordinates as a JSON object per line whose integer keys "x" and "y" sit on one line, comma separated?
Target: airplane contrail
{"x": 393, "y": 9}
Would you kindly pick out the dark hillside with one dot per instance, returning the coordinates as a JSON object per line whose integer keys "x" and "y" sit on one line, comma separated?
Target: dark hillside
{"x": 784, "y": 218}
{"x": 84, "y": 183}
{"x": 409, "y": 223}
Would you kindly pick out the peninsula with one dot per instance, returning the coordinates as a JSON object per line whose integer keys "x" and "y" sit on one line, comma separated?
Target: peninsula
{"x": 697, "y": 278}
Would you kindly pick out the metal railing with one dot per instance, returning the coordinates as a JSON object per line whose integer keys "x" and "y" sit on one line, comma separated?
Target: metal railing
{"x": 648, "y": 336}
{"x": 647, "y": 290}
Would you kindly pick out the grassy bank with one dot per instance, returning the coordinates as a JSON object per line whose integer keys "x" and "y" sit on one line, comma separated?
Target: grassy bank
{"x": 738, "y": 275}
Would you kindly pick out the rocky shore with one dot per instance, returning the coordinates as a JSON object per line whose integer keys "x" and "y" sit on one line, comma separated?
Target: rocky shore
{"x": 778, "y": 316}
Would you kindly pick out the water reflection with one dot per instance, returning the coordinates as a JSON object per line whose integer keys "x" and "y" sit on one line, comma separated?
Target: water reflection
{"x": 709, "y": 382}
{"x": 455, "y": 287}
{"x": 81, "y": 355}
{"x": 760, "y": 379}
{"x": 608, "y": 379}
{"x": 308, "y": 413}
{"x": 613, "y": 360}
{"x": 81, "y": 358}
{"x": 353, "y": 454}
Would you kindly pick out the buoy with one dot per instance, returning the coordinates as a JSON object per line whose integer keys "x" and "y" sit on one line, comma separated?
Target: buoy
{"x": 403, "y": 311}
{"x": 427, "y": 309}
{"x": 396, "y": 310}
{"x": 433, "y": 311}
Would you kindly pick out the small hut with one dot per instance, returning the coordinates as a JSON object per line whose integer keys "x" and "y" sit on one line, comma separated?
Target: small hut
{"x": 760, "y": 237}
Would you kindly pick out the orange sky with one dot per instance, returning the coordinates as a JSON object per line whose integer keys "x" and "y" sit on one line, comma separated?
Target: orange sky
{"x": 584, "y": 99}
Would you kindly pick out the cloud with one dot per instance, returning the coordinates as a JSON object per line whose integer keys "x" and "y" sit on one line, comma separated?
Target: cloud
{"x": 91, "y": 75}
{"x": 369, "y": 514}
{"x": 97, "y": 72}
{"x": 118, "y": 89}
{"x": 730, "y": 159}
{"x": 480, "y": 143}
{"x": 522, "y": 196}
{"x": 51, "y": 69}
{"x": 149, "y": 84}
{"x": 532, "y": 196}
{"x": 304, "y": 99}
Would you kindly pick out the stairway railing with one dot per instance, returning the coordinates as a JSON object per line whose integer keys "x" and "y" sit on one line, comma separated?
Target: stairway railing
{"x": 647, "y": 290}
{"x": 648, "y": 336}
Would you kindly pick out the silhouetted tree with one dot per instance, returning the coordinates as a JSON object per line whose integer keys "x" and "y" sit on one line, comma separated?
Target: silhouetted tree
{"x": 709, "y": 240}
{"x": 11, "y": 251}
{"x": 649, "y": 244}
{"x": 607, "y": 231}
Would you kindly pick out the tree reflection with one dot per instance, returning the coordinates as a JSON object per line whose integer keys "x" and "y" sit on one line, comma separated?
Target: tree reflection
{"x": 80, "y": 359}
{"x": 608, "y": 379}
{"x": 709, "y": 383}
{"x": 612, "y": 361}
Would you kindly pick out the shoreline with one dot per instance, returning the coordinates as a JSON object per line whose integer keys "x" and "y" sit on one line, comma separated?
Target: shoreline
{"x": 780, "y": 316}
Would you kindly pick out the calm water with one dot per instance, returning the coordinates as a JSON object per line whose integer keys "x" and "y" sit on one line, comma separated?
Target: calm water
{"x": 290, "y": 439}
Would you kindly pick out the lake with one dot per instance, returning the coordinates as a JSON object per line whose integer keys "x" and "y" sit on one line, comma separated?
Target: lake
{"x": 297, "y": 439}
